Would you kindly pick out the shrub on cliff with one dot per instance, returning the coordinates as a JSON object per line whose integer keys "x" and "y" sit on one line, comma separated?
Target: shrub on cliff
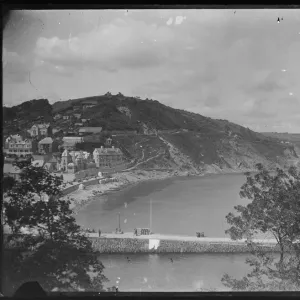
{"x": 274, "y": 209}
{"x": 55, "y": 252}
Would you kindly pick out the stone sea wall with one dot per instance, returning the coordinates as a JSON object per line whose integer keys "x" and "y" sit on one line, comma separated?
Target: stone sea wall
{"x": 128, "y": 245}
{"x": 83, "y": 174}
{"x": 87, "y": 182}
{"x": 105, "y": 245}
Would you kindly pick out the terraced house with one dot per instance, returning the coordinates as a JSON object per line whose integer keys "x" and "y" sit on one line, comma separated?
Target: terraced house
{"x": 75, "y": 161}
{"x": 69, "y": 142}
{"x": 15, "y": 145}
{"x": 38, "y": 130}
{"x": 107, "y": 157}
{"x": 46, "y": 145}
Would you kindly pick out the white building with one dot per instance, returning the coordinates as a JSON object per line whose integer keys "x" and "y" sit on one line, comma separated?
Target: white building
{"x": 107, "y": 157}
{"x": 15, "y": 145}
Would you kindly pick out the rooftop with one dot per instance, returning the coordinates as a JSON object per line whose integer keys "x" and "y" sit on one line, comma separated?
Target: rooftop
{"x": 66, "y": 153}
{"x": 47, "y": 140}
{"x": 41, "y": 157}
{"x": 42, "y": 126}
{"x": 72, "y": 138}
{"x": 14, "y": 138}
{"x": 90, "y": 129}
{"x": 10, "y": 168}
{"x": 26, "y": 141}
{"x": 15, "y": 169}
{"x": 82, "y": 154}
{"x": 6, "y": 168}
{"x": 110, "y": 151}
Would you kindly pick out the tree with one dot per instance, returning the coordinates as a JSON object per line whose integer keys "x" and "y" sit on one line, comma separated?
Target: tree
{"x": 22, "y": 163}
{"x": 274, "y": 209}
{"x": 55, "y": 252}
{"x": 8, "y": 183}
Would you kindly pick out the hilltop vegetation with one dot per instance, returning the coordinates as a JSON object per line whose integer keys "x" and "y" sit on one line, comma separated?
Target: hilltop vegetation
{"x": 25, "y": 114}
{"x": 29, "y": 110}
{"x": 166, "y": 137}
{"x": 293, "y": 138}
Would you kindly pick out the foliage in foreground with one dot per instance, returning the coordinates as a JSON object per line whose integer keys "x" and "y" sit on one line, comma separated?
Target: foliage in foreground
{"x": 274, "y": 209}
{"x": 55, "y": 252}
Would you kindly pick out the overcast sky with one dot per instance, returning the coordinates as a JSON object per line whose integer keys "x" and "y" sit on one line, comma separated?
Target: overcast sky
{"x": 242, "y": 66}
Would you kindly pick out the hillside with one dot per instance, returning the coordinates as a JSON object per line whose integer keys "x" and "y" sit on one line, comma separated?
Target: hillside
{"x": 25, "y": 114}
{"x": 166, "y": 137}
{"x": 293, "y": 138}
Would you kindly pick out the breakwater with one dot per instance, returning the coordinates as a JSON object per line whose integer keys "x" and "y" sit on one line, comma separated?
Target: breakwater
{"x": 135, "y": 245}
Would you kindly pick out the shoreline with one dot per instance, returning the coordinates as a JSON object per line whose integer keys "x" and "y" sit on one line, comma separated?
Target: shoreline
{"x": 82, "y": 198}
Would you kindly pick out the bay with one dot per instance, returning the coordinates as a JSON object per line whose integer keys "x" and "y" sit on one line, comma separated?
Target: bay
{"x": 181, "y": 205}
{"x": 184, "y": 273}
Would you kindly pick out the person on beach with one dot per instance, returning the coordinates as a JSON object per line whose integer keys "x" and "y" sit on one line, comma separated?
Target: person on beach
{"x": 99, "y": 231}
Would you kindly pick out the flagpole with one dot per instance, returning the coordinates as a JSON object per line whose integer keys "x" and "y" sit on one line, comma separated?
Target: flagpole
{"x": 150, "y": 214}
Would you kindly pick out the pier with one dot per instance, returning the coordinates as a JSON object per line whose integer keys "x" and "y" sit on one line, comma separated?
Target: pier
{"x": 162, "y": 243}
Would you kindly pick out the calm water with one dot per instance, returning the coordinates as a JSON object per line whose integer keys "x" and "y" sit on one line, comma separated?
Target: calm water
{"x": 188, "y": 272}
{"x": 179, "y": 206}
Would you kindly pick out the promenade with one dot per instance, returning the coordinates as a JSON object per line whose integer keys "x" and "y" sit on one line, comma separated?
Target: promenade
{"x": 184, "y": 238}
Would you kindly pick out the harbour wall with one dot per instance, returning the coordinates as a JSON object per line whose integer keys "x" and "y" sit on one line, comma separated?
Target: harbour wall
{"x": 131, "y": 245}
{"x": 85, "y": 183}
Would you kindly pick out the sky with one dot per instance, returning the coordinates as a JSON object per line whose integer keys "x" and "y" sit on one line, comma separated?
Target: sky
{"x": 239, "y": 65}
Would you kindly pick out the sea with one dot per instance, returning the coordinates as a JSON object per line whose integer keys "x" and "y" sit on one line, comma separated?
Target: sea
{"x": 178, "y": 205}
